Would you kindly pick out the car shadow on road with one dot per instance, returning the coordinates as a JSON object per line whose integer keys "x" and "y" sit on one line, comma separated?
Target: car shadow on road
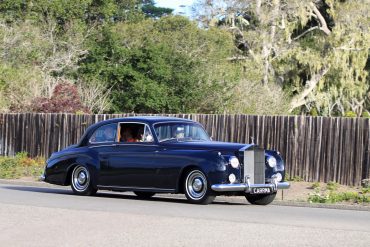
{"x": 38, "y": 189}
{"x": 115, "y": 195}
{"x": 158, "y": 198}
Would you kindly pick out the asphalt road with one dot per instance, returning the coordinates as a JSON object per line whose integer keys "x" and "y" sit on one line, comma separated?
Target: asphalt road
{"x": 39, "y": 216}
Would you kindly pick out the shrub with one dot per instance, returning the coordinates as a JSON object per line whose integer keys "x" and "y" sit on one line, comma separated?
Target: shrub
{"x": 65, "y": 98}
{"x": 350, "y": 114}
{"x": 315, "y": 185}
{"x": 332, "y": 186}
{"x": 365, "y": 114}
{"x": 21, "y": 166}
{"x": 333, "y": 197}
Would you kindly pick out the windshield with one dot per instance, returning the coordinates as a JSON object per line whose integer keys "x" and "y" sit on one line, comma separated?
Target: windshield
{"x": 180, "y": 132}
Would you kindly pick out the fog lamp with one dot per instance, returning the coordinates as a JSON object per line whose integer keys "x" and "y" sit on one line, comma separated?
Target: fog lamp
{"x": 232, "y": 178}
{"x": 277, "y": 176}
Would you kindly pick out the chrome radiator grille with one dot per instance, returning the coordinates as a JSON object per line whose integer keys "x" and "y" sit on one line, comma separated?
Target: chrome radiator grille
{"x": 254, "y": 165}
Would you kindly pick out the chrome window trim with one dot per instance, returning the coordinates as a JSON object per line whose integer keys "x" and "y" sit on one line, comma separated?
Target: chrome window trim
{"x": 107, "y": 145}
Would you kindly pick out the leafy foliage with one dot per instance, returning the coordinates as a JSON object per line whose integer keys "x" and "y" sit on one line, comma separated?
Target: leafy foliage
{"x": 257, "y": 57}
{"x": 152, "y": 11}
{"x": 65, "y": 98}
{"x": 21, "y": 166}
{"x": 157, "y": 66}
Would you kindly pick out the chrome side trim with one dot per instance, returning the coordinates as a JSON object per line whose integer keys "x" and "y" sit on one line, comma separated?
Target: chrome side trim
{"x": 247, "y": 187}
{"x": 123, "y": 188}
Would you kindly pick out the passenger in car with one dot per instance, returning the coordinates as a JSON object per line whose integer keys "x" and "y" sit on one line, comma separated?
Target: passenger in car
{"x": 139, "y": 136}
{"x": 127, "y": 135}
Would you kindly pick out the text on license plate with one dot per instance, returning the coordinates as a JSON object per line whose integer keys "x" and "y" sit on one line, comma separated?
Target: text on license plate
{"x": 261, "y": 190}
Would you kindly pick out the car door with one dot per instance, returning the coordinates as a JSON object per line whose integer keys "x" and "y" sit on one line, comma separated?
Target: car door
{"x": 102, "y": 143}
{"x": 130, "y": 164}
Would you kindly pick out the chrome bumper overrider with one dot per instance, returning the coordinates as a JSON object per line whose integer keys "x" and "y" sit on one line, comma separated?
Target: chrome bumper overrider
{"x": 248, "y": 187}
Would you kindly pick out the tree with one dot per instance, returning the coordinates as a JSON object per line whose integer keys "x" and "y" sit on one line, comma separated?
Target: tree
{"x": 316, "y": 50}
{"x": 150, "y": 10}
{"x": 168, "y": 65}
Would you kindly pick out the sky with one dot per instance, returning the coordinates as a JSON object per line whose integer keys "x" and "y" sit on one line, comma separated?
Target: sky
{"x": 175, "y": 4}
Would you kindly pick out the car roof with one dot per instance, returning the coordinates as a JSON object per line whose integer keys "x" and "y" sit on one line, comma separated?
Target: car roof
{"x": 145, "y": 119}
{"x": 142, "y": 119}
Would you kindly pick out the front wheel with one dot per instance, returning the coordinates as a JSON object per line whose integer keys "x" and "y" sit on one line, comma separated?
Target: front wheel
{"x": 260, "y": 199}
{"x": 197, "y": 189}
{"x": 81, "y": 181}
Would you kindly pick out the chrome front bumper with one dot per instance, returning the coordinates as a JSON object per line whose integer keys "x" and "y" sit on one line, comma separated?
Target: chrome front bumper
{"x": 247, "y": 187}
{"x": 42, "y": 177}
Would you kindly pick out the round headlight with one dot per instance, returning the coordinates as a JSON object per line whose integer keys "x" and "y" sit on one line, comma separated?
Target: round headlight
{"x": 232, "y": 178}
{"x": 271, "y": 161}
{"x": 234, "y": 162}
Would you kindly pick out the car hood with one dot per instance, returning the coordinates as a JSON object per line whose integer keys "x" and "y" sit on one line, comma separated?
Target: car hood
{"x": 209, "y": 145}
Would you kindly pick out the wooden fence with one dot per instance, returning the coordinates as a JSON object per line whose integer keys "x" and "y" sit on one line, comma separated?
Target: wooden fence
{"x": 314, "y": 148}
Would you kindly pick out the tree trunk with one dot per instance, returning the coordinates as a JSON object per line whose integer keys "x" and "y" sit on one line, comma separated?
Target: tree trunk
{"x": 267, "y": 46}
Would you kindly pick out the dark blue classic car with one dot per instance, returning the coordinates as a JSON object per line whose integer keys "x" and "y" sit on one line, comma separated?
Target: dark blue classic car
{"x": 149, "y": 155}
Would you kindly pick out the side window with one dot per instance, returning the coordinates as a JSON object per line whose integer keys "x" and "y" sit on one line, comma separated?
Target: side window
{"x": 135, "y": 132}
{"x": 105, "y": 133}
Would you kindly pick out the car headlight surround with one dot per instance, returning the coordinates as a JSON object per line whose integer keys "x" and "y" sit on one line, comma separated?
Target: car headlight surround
{"x": 271, "y": 161}
{"x": 234, "y": 162}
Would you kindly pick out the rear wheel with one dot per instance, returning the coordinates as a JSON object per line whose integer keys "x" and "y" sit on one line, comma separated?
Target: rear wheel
{"x": 144, "y": 194}
{"x": 260, "y": 199}
{"x": 197, "y": 189}
{"x": 81, "y": 181}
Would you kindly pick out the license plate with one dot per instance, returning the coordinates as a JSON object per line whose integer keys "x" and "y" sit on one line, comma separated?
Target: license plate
{"x": 261, "y": 191}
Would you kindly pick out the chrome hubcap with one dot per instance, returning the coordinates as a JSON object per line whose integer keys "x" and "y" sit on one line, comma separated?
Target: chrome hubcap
{"x": 196, "y": 185}
{"x": 80, "y": 178}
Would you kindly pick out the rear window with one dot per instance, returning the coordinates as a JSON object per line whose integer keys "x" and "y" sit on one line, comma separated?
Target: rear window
{"x": 105, "y": 133}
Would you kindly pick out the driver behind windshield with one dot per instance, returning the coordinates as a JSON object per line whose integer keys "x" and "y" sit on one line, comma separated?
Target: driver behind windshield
{"x": 179, "y": 132}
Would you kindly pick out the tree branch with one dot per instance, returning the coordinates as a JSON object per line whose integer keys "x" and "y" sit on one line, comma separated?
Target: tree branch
{"x": 324, "y": 26}
{"x": 305, "y": 32}
{"x": 300, "y": 99}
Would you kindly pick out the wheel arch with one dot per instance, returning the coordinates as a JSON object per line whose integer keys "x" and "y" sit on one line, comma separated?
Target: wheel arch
{"x": 67, "y": 180}
{"x": 182, "y": 177}
{"x": 91, "y": 168}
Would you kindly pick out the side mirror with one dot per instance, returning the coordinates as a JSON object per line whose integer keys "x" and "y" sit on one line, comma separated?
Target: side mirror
{"x": 149, "y": 138}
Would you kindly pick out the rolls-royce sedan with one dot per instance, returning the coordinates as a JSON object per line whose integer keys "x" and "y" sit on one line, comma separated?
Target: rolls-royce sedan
{"x": 149, "y": 155}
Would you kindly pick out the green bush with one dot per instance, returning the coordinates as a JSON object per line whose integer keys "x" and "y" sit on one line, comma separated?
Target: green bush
{"x": 20, "y": 166}
{"x": 334, "y": 197}
{"x": 315, "y": 185}
{"x": 365, "y": 114}
{"x": 332, "y": 186}
{"x": 350, "y": 114}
